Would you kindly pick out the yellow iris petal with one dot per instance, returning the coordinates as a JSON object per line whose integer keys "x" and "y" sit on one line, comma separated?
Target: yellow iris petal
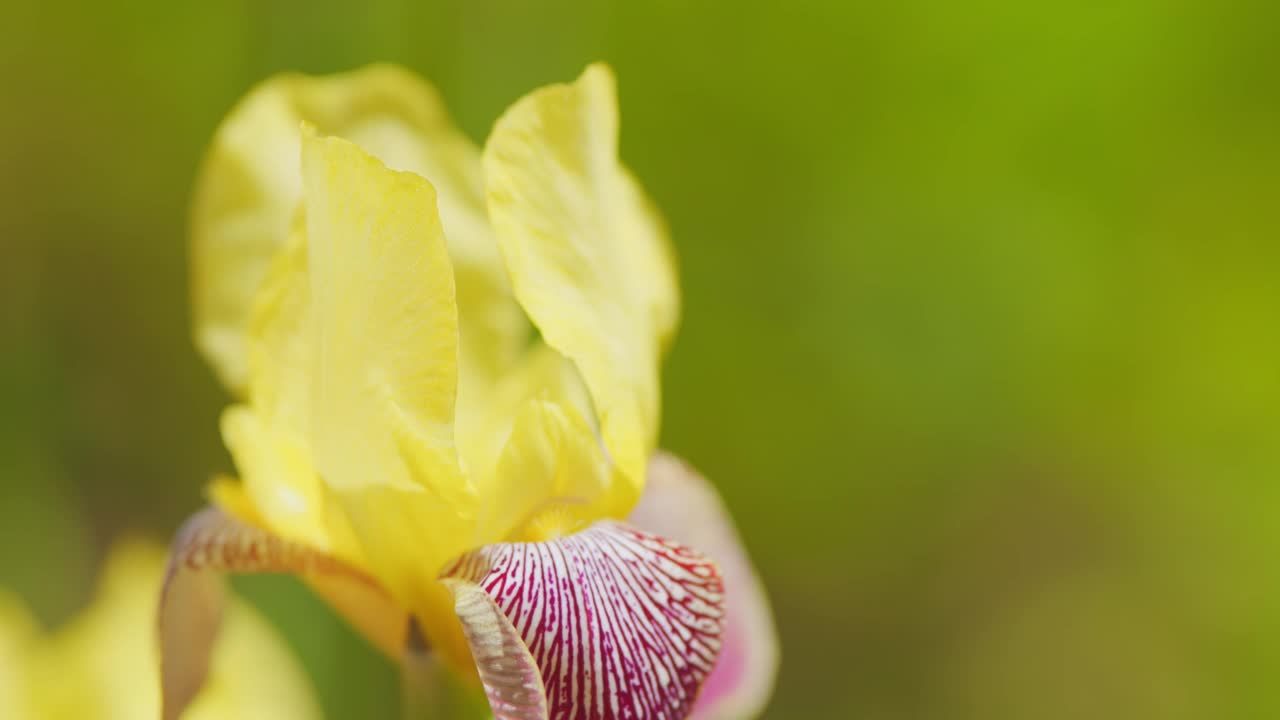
{"x": 103, "y": 664}
{"x": 391, "y": 413}
{"x": 384, "y": 370}
{"x": 541, "y": 372}
{"x": 553, "y": 475}
{"x": 249, "y": 188}
{"x": 587, "y": 257}
{"x": 270, "y": 437}
{"x": 282, "y": 486}
{"x": 542, "y": 452}
{"x": 384, "y": 364}
{"x": 17, "y": 636}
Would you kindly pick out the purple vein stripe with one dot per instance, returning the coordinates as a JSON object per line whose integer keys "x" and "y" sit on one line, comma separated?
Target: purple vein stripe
{"x": 622, "y": 624}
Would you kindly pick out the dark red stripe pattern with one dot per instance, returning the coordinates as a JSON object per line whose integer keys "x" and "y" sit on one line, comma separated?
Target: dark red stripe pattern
{"x": 622, "y": 624}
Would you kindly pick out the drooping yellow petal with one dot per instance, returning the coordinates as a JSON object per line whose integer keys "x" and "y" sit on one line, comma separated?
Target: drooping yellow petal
{"x": 193, "y": 597}
{"x": 250, "y": 184}
{"x": 103, "y": 664}
{"x": 587, "y": 257}
{"x": 269, "y": 687}
{"x": 384, "y": 371}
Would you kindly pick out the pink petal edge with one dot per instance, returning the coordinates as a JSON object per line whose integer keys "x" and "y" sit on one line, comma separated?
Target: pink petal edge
{"x": 679, "y": 503}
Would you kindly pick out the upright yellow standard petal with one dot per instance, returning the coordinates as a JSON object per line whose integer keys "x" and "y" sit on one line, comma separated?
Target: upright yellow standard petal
{"x": 385, "y": 363}
{"x": 250, "y": 184}
{"x": 587, "y": 257}
{"x": 269, "y": 437}
{"x": 384, "y": 371}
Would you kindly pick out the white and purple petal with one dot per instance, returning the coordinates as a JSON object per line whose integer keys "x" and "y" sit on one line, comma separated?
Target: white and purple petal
{"x": 616, "y": 622}
{"x": 679, "y": 503}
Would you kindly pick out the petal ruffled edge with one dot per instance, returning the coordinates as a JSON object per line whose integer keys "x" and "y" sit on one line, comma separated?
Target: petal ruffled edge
{"x": 193, "y": 596}
{"x": 616, "y": 621}
{"x": 511, "y": 678}
{"x": 588, "y": 258}
{"x": 679, "y": 503}
{"x": 249, "y": 186}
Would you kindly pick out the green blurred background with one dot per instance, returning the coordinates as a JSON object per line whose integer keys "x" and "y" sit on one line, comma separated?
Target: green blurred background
{"x": 980, "y": 338}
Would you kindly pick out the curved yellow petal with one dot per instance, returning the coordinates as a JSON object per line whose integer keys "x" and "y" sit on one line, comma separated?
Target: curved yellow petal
{"x": 384, "y": 372}
{"x": 280, "y": 340}
{"x": 587, "y": 257}
{"x": 18, "y": 632}
{"x": 383, "y": 368}
{"x": 272, "y": 686}
{"x": 511, "y": 677}
{"x": 552, "y": 475}
{"x": 250, "y": 184}
{"x": 193, "y": 597}
{"x": 269, "y": 438}
{"x": 278, "y": 478}
{"x": 539, "y": 370}
{"x": 540, "y": 373}
{"x": 540, "y": 458}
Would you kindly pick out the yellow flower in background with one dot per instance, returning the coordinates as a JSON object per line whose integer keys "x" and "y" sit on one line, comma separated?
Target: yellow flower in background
{"x": 367, "y": 283}
{"x": 103, "y": 665}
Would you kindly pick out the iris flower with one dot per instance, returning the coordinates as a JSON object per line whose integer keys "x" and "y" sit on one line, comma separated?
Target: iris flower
{"x": 102, "y": 663}
{"x": 445, "y": 365}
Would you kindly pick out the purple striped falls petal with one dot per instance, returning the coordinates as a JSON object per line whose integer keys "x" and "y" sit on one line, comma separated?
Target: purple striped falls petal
{"x": 608, "y": 623}
{"x": 213, "y": 543}
{"x": 679, "y": 503}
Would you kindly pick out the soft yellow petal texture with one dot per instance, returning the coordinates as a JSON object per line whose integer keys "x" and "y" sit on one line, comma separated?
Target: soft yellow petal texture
{"x": 229, "y": 495}
{"x": 587, "y": 256}
{"x": 278, "y": 478}
{"x": 18, "y": 634}
{"x": 384, "y": 372}
{"x": 249, "y": 187}
{"x": 270, "y": 437}
{"x": 383, "y": 367}
{"x": 552, "y": 471}
{"x": 103, "y": 664}
{"x": 541, "y": 373}
{"x": 546, "y": 464}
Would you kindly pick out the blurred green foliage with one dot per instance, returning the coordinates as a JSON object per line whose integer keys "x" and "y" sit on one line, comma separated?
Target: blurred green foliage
{"x": 979, "y": 342}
